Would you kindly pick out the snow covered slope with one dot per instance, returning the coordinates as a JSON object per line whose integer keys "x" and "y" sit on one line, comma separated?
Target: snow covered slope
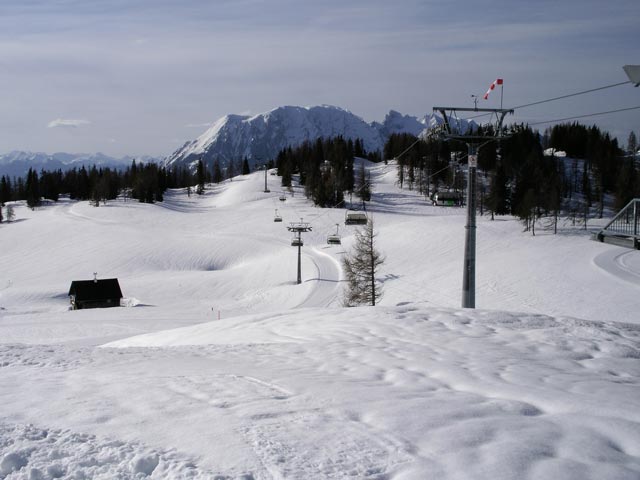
{"x": 261, "y": 137}
{"x": 225, "y": 368}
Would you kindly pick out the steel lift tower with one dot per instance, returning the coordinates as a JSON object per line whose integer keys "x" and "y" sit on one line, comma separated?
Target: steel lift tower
{"x": 474, "y": 142}
{"x": 298, "y": 229}
{"x": 266, "y": 189}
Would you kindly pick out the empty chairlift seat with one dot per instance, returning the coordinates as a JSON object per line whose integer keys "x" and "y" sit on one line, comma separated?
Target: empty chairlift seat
{"x": 277, "y": 217}
{"x": 334, "y": 238}
{"x": 354, "y": 217}
{"x": 296, "y": 241}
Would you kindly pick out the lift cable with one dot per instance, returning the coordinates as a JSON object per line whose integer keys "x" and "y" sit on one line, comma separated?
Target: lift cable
{"x": 584, "y": 116}
{"x": 561, "y": 97}
{"x": 572, "y": 94}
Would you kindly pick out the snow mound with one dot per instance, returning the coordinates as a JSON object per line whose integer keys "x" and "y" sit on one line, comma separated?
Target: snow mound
{"x": 28, "y": 452}
{"x": 413, "y": 389}
{"x": 129, "y": 302}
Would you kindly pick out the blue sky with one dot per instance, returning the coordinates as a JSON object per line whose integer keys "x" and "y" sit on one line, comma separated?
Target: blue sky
{"x": 143, "y": 76}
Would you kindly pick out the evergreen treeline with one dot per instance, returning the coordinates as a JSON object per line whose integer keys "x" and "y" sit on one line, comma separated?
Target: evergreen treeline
{"x": 516, "y": 178}
{"x": 325, "y": 168}
{"x": 144, "y": 182}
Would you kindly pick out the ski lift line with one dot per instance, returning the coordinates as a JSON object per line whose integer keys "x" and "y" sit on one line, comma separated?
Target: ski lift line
{"x": 585, "y": 116}
{"x": 329, "y": 210}
{"x": 408, "y": 148}
{"x": 573, "y": 94}
{"x": 439, "y": 171}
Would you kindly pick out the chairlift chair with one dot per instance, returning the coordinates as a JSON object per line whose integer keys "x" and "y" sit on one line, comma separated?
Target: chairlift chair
{"x": 283, "y": 197}
{"x": 334, "y": 239}
{"x": 354, "y": 217}
{"x": 296, "y": 241}
{"x": 277, "y": 218}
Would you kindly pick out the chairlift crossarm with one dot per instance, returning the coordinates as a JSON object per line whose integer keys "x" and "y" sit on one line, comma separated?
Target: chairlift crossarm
{"x": 500, "y": 113}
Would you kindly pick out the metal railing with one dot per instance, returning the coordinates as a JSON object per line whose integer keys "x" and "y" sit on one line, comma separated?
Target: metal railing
{"x": 625, "y": 224}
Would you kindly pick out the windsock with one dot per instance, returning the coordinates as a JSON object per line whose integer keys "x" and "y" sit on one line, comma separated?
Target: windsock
{"x": 493, "y": 85}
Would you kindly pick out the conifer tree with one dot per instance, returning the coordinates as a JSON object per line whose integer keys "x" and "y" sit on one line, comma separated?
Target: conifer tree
{"x": 231, "y": 169}
{"x": 363, "y": 188}
{"x": 32, "y": 189}
{"x": 527, "y": 211}
{"x": 200, "y": 177}
{"x": 498, "y": 198}
{"x": 627, "y": 187}
{"x": 245, "y": 167}
{"x": 360, "y": 267}
{"x": 5, "y": 190}
{"x": 217, "y": 172}
{"x": 632, "y": 144}
{"x": 82, "y": 184}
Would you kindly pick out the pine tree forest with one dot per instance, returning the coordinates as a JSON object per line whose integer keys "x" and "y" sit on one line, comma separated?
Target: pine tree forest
{"x": 516, "y": 177}
{"x": 324, "y": 168}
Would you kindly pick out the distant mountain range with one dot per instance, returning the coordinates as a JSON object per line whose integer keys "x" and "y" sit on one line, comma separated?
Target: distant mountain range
{"x": 259, "y": 138}
{"x": 17, "y": 163}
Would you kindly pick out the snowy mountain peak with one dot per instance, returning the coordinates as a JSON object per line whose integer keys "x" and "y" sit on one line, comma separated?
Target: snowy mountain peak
{"x": 395, "y": 122}
{"x": 260, "y": 137}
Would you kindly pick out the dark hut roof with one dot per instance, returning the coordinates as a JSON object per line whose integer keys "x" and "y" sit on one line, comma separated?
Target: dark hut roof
{"x": 96, "y": 289}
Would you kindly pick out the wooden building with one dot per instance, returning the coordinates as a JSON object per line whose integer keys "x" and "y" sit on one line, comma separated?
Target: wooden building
{"x": 95, "y": 293}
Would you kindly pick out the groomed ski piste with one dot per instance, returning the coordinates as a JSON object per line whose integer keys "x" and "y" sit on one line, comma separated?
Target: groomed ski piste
{"x": 222, "y": 367}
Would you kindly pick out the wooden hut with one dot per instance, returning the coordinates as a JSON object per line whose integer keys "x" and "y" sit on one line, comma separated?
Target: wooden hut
{"x": 95, "y": 293}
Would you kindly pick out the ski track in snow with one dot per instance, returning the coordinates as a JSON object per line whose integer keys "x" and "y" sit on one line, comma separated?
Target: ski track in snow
{"x": 619, "y": 263}
{"x": 286, "y": 386}
{"x": 326, "y": 292}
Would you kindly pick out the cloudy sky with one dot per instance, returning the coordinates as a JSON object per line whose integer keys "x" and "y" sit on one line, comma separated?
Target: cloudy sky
{"x": 143, "y": 76}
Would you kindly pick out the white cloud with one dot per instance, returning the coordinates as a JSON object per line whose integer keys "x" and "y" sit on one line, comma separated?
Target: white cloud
{"x": 198, "y": 125}
{"x": 67, "y": 122}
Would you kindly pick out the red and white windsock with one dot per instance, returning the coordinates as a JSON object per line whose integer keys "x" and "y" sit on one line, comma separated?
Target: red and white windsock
{"x": 493, "y": 85}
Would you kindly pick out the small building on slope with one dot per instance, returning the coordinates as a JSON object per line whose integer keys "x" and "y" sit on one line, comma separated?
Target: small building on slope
{"x": 95, "y": 293}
